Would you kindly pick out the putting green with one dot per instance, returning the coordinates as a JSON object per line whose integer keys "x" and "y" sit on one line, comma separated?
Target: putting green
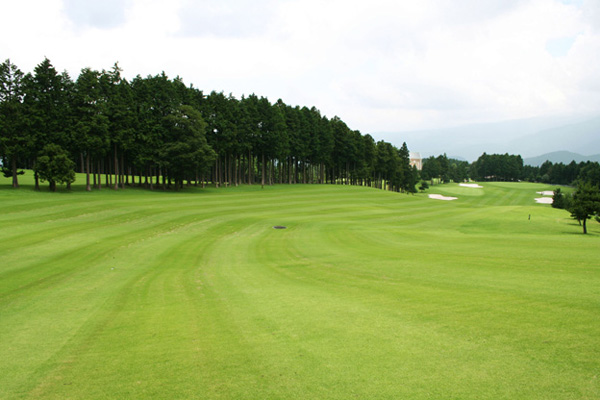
{"x": 365, "y": 294}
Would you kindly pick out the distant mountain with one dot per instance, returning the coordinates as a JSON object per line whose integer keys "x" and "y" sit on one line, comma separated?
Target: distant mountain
{"x": 580, "y": 138}
{"x": 527, "y": 137}
{"x": 564, "y": 157}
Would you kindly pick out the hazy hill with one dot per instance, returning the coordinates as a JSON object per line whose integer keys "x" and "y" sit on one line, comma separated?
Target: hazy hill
{"x": 578, "y": 138}
{"x": 564, "y": 157}
{"x": 527, "y": 137}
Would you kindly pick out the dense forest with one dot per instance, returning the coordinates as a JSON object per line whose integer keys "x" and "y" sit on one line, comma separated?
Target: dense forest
{"x": 159, "y": 132}
{"x": 508, "y": 167}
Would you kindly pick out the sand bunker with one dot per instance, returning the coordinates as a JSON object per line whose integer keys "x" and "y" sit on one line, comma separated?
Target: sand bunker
{"x": 470, "y": 185}
{"x": 546, "y": 193}
{"x": 440, "y": 197}
{"x": 544, "y": 200}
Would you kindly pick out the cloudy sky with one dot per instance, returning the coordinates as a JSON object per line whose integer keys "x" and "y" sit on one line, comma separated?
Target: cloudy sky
{"x": 380, "y": 65}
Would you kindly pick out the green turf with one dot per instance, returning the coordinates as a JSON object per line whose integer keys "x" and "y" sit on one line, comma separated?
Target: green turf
{"x": 367, "y": 294}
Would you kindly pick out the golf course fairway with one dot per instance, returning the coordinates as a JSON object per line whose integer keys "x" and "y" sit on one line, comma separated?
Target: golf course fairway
{"x": 366, "y": 294}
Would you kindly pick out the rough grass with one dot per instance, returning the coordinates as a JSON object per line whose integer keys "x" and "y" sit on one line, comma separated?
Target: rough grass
{"x": 366, "y": 294}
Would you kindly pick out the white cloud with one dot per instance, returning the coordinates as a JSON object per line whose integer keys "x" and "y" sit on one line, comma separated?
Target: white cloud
{"x": 379, "y": 65}
{"x": 96, "y": 13}
{"x": 225, "y": 18}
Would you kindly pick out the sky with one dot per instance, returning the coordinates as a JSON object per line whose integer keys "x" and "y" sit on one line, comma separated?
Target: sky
{"x": 380, "y": 65}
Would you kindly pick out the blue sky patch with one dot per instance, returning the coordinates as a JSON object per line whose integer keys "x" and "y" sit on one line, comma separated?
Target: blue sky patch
{"x": 559, "y": 47}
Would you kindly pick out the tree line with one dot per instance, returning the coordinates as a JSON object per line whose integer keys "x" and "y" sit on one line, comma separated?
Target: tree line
{"x": 509, "y": 167}
{"x": 156, "y": 131}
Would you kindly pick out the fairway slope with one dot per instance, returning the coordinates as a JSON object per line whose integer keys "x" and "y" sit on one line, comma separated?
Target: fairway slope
{"x": 365, "y": 294}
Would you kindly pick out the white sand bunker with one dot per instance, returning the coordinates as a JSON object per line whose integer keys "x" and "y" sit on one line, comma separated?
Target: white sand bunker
{"x": 546, "y": 193}
{"x": 440, "y": 197}
{"x": 470, "y": 185}
{"x": 544, "y": 200}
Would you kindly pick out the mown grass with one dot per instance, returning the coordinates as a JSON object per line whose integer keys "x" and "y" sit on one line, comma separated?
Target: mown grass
{"x": 366, "y": 294}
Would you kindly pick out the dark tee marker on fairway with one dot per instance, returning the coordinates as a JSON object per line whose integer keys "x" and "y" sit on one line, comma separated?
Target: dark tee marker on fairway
{"x": 279, "y": 227}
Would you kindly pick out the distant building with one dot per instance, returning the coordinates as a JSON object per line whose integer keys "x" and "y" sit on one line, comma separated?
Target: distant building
{"x": 416, "y": 160}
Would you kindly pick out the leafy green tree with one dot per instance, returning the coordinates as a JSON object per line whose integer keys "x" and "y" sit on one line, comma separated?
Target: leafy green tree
{"x": 431, "y": 169}
{"x": 13, "y": 142}
{"x": 590, "y": 172}
{"x": 444, "y": 164}
{"x": 458, "y": 170}
{"x": 585, "y": 203}
{"x": 497, "y": 167}
{"x": 559, "y": 200}
{"x": 55, "y": 166}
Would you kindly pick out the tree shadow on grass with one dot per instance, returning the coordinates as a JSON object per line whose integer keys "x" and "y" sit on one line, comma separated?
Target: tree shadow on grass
{"x": 578, "y": 229}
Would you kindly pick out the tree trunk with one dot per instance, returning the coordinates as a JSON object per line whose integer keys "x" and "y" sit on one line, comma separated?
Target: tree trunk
{"x": 99, "y": 173}
{"x": 124, "y": 177}
{"x": 106, "y": 173}
{"x": 281, "y": 165}
{"x": 116, "y": 186}
{"x": 238, "y": 174}
{"x": 216, "y": 172}
{"x": 228, "y": 164}
{"x": 584, "y": 226}
{"x": 262, "y": 169}
{"x": 87, "y": 173}
{"x": 37, "y": 181}
{"x": 250, "y": 167}
{"x": 304, "y": 172}
{"x": 15, "y": 179}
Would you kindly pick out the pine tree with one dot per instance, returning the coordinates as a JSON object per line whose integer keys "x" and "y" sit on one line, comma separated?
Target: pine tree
{"x": 585, "y": 203}
{"x": 13, "y": 142}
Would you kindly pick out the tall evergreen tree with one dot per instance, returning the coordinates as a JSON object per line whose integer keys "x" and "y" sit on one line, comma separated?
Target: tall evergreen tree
{"x": 221, "y": 131}
{"x": 48, "y": 109}
{"x": 92, "y": 126}
{"x": 185, "y": 148}
{"x": 122, "y": 118}
{"x": 13, "y": 142}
